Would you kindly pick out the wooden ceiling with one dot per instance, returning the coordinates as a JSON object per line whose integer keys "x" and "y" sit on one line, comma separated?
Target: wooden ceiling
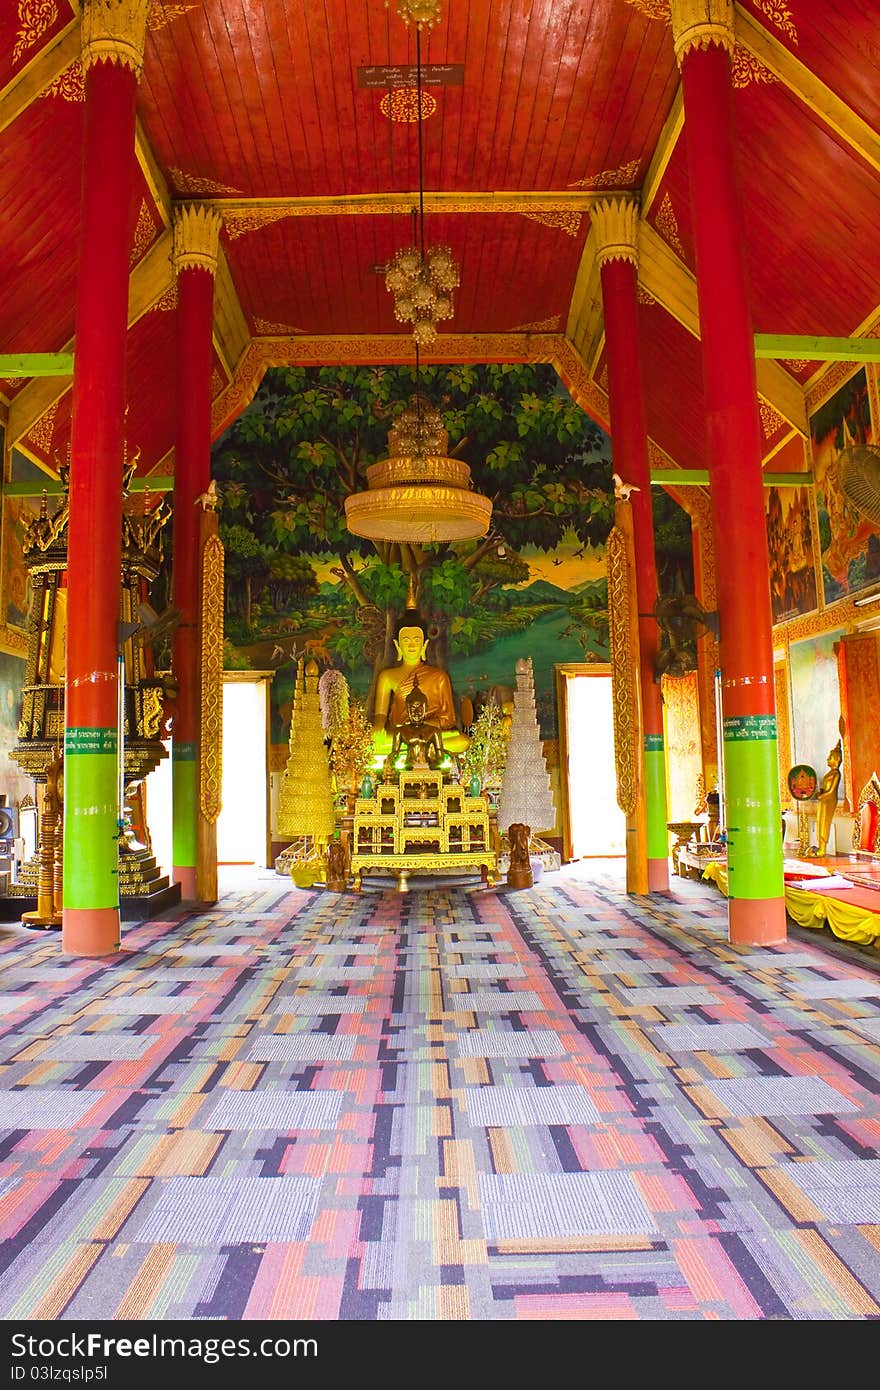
{"x": 277, "y": 115}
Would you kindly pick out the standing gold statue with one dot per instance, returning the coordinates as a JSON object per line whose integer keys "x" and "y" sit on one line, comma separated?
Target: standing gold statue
{"x": 827, "y": 797}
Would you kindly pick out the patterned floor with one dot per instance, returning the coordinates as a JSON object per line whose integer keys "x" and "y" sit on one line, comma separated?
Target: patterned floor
{"x": 560, "y": 1104}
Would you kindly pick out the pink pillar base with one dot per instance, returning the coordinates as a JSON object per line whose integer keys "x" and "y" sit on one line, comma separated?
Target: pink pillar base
{"x": 757, "y": 921}
{"x": 658, "y": 876}
{"x": 186, "y": 877}
{"x": 90, "y": 931}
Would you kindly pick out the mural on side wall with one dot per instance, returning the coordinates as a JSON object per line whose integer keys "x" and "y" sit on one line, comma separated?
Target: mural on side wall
{"x": 815, "y": 691}
{"x": 17, "y": 513}
{"x": 13, "y": 782}
{"x": 298, "y": 582}
{"x": 790, "y": 547}
{"x": 849, "y": 543}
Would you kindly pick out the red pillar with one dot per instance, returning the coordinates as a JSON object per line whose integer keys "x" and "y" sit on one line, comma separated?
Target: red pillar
{"x": 757, "y": 906}
{"x": 616, "y": 222}
{"x": 195, "y": 250}
{"x": 91, "y": 888}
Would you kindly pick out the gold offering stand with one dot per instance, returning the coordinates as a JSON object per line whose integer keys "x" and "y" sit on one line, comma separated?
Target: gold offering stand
{"x": 41, "y": 725}
{"x": 419, "y": 823}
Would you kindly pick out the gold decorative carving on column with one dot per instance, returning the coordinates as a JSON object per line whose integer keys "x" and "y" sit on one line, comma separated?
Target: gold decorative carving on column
{"x": 699, "y": 23}
{"x": 211, "y": 682}
{"x": 624, "y": 665}
{"x": 666, "y": 223}
{"x": 196, "y": 232}
{"x": 114, "y": 31}
{"x": 746, "y": 69}
{"x": 615, "y": 222}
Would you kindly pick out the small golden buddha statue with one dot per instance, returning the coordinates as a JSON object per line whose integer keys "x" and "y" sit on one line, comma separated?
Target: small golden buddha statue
{"x": 827, "y": 798}
{"x": 394, "y": 683}
{"x": 421, "y": 739}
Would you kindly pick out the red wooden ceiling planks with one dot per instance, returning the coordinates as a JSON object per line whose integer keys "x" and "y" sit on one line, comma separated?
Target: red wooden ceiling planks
{"x": 811, "y": 209}
{"x": 25, "y": 29}
{"x": 672, "y": 373}
{"x": 318, "y": 273}
{"x": 268, "y": 102}
{"x": 40, "y": 176}
{"x": 827, "y": 38}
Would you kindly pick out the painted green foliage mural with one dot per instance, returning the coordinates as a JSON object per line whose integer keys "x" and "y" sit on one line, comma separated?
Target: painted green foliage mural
{"x": 297, "y": 579}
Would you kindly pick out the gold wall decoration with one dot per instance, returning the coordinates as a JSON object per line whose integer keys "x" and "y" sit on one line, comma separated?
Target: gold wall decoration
{"x": 783, "y": 731}
{"x": 196, "y": 232}
{"x": 211, "y": 724}
{"x": 144, "y": 232}
{"x": 40, "y": 434}
{"x": 168, "y": 300}
{"x": 779, "y": 14}
{"x": 603, "y": 377}
{"x": 550, "y": 325}
{"x": 699, "y": 23}
{"x": 615, "y": 223}
{"x": 34, "y": 18}
{"x": 568, "y": 222}
{"x": 267, "y": 329}
{"x": 218, "y": 381}
{"x": 667, "y": 225}
{"x": 194, "y": 183}
{"x": 795, "y": 364}
{"x": 240, "y": 221}
{"x": 611, "y": 178}
{"x": 746, "y": 69}
{"x": 70, "y": 86}
{"x": 402, "y": 104}
{"x": 644, "y": 297}
{"x": 771, "y": 420}
{"x": 651, "y": 9}
{"x": 162, "y": 14}
{"x": 624, "y": 665}
{"x": 113, "y": 31}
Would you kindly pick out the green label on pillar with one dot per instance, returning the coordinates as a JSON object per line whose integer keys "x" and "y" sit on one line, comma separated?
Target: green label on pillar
{"x": 184, "y": 806}
{"x": 754, "y": 819}
{"x": 749, "y": 728}
{"x": 184, "y": 752}
{"x": 655, "y": 798}
{"x": 91, "y": 826}
{"x": 100, "y": 741}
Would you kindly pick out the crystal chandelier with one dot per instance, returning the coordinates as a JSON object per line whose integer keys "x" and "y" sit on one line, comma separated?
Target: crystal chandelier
{"x": 421, "y": 280}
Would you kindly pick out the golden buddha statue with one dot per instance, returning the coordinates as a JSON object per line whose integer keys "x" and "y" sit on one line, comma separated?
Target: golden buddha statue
{"x": 827, "y": 798}
{"x": 394, "y": 683}
{"x": 422, "y": 740}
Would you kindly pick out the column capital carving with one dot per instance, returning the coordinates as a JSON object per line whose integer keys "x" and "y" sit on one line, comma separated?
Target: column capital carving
{"x": 196, "y": 233}
{"x": 699, "y": 23}
{"x": 114, "y": 30}
{"x": 615, "y": 222}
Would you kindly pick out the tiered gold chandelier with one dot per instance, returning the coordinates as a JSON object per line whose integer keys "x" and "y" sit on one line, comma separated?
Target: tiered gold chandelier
{"x": 418, "y": 494}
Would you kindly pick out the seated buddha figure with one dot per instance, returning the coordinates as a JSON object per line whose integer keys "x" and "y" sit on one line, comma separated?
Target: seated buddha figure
{"x": 395, "y": 682}
{"x": 424, "y": 746}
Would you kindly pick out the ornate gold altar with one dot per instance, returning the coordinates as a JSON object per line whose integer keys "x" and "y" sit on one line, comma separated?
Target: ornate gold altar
{"x": 419, "y": 823}
{"x": 41, "y": 725}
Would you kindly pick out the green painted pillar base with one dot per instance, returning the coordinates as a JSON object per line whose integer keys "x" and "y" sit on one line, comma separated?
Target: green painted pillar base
{"x": 184, "y": 790}
{"x": 91, "y": 819}
{"x": 656, "y": 815}
{"x": 754, "y": 818}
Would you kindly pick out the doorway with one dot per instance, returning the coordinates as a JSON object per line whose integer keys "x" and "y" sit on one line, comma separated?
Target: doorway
{"x": 594, "y": 825}
{"x": 243, "y": 824}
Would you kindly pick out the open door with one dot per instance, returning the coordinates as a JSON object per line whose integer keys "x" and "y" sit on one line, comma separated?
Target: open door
{"x": 593, "y": 824}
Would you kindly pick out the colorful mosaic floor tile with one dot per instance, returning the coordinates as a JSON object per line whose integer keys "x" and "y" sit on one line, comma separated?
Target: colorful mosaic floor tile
{"x": 554, "y": 1104}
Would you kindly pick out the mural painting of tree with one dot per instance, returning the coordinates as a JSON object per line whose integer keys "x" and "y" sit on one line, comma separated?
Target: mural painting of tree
{"x": 286, "y": 466}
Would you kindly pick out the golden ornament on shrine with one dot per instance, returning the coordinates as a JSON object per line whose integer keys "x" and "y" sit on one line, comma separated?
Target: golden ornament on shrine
{"x": 418, "y": 494}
